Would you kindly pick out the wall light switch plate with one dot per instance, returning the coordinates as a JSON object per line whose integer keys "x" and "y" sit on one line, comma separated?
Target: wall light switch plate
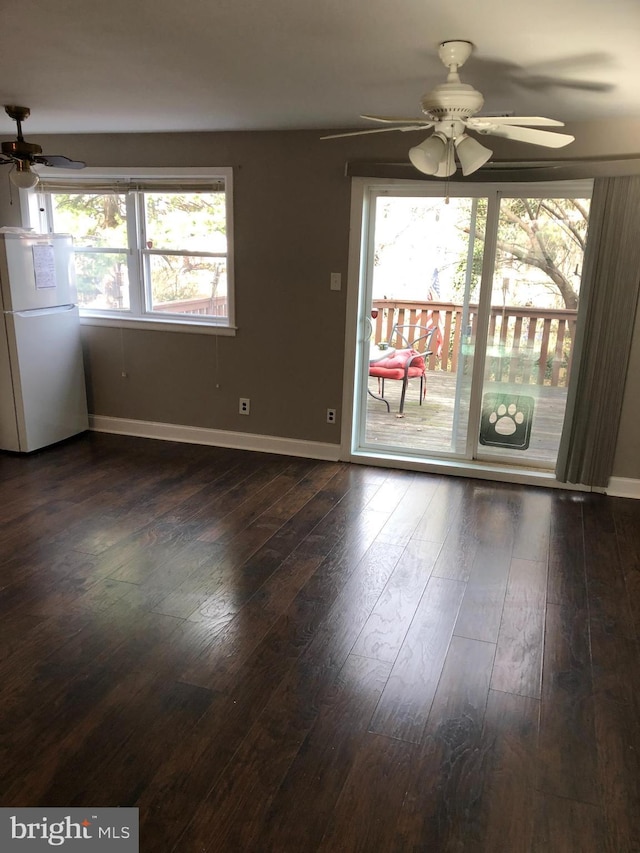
{"x": 336, "y": 281}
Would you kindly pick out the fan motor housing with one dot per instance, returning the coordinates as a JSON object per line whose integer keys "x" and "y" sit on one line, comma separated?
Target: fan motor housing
{"x": 21, "y": 150}
{"x": 452, "y": 100}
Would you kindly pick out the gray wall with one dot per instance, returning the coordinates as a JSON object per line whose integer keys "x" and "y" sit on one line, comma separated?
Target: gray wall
{"x": 291, "y": 203}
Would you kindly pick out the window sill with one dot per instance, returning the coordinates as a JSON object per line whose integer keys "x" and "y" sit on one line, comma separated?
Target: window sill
{"x": 155, "y": 325}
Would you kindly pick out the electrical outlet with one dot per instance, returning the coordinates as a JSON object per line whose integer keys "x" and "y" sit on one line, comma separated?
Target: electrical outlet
{"x": 336, "y": 281}
{"x": 245, "y": 406}
{"x": 331, "y": 416}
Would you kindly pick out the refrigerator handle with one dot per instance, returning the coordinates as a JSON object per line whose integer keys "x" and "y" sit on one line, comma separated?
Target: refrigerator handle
{"x": 40, "y": 312}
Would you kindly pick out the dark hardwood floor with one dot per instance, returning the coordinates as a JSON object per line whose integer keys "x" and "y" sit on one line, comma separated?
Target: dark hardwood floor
{"x": 276, "y": 654}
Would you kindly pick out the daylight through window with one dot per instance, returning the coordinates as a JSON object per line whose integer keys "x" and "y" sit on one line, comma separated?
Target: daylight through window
{"x": 151, "y": 251}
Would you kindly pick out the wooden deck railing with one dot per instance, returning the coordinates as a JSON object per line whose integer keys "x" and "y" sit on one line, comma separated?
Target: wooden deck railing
{"x": 525, "y": 345}
{"x": 215, "y": 306}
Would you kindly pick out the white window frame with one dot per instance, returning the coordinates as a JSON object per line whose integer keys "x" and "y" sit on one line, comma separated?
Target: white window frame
{"x": 38, "y": 217}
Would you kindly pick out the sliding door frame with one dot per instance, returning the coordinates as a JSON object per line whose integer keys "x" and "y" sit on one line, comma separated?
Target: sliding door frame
{"x": 363, "y": 194}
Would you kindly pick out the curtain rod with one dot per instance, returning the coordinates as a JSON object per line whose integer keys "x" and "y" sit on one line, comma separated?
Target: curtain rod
{"x": 540, "y": 170}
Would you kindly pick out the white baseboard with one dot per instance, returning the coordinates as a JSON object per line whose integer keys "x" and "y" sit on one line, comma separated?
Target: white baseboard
{"x": 216, "y": 437}
{"x": 623, "y": 487}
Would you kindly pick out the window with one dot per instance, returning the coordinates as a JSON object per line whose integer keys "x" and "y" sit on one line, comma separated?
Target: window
{"x": 148, "y": 249}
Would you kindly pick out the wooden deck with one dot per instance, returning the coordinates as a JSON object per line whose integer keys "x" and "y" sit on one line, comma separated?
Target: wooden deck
{"x": 428, "y": 428}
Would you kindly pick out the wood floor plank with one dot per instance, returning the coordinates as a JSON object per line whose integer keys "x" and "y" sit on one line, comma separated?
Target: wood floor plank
{"x": 117, "y": 759}
{"x": 481, "y": 611}
{"x": 136, "y": 558}
{"x": 406, "y": 517}
{"x": 303, "y": 594}
{"x": 510, "y": 734}
{"x": 232, "y": 643}
{"x": 491, "y": 515}
{"x": 626, "y": 515}
{"x": 365, "y": 815}
{"x": 443, "y": 509}
{"x": 350, "y": 499}
{"x": 198, "y": 763}
{"x": 226, "y": 488}
{"x": 360, "y": 663}
{"x": 570, "y": 826}
{"x": 441, "y": 810}
{"x": 384, "y": 631}
{"x": 210, "y": 581}
{"x": 457, "y": 555}
{"x": 518, "y": 664}
{"x": 78, "y": 702}
{"x": 616, "y": 690}
{"x": 315, "y": 479}
{"x": 303, "y": 654}
{"x": 338, "y": 631}
{"x": 567, "y": 581}
{"x": 25, "y": 642}
{"x": 296, "y": 820}
{"x": 397, "y": 487}
{"x": 48, "y": 519}
{"x": 30, "y": 586}
{"x": 406, "y": 700}
{"x": 212, "y": 592}
{"x": 531, "y": 537}
{"x": 257, "y": 552}
{"x": 254, "y": 500}
{"x": 609, "y": 604}
{"x": 567, "y": 754}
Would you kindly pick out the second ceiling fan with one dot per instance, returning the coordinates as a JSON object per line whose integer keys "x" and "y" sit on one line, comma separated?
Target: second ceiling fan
{"x": 22, "y": 155}
{"x": 450, "y": 109}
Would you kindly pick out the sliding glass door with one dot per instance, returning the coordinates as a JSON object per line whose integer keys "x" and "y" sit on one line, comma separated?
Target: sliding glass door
{"x": 535, "y": 293}
{"x": 467, "y": 308}
{"x": 423, "y": 277}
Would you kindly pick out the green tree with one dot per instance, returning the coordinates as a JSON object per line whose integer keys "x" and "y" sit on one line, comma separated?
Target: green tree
{"x": 174, "y": 222}
{"x": 547, "y": 234}
{"x": 96, "y": 221}
{"x": 192, "y": 221}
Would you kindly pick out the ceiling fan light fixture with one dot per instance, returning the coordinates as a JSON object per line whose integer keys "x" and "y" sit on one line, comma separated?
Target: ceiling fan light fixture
{"x": 471, "y": 154}
{"x": 427, "y": 156}
{"x": 447, "y": 166}
{"x": 22, "y": 155}
{"x": 452, "y": 107}
{"x": 22, "y": 177}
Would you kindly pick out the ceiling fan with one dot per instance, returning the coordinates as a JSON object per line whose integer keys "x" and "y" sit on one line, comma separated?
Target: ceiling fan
{"x": 23, "y": 155}
{"x": 450, "y": 109}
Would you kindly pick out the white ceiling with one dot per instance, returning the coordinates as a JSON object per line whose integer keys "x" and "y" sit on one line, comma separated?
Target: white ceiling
{"x": 201, "y": 65}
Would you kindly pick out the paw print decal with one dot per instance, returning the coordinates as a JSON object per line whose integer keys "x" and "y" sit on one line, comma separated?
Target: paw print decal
{"x": 506, "y": 421}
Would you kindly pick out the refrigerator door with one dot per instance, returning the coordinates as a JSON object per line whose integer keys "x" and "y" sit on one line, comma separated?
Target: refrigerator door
{"x": 48, "y": 377}
{"x": 8, "y": 424}
{"x": 36, "y": 271}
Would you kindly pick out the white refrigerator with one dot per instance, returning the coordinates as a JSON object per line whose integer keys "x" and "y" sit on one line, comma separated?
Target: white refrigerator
{"x": 42, "y": 387}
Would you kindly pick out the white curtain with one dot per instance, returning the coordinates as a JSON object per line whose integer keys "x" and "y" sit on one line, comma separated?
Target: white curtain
{"x": 609, "y": 296}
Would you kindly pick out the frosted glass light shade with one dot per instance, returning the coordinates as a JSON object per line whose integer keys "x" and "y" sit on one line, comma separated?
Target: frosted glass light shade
{"x": 426, "y": 157}
{"x": 471, "y": 154}
{"x": 22, "y": 177}
{"x": 447, "y": 166}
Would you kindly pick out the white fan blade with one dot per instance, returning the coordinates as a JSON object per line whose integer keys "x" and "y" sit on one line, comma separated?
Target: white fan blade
{"x": 528, "y": 134}
{"x": 376, "y": 130}
{"x": 394, "y": 120}
{"x": 531, "y": 121}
